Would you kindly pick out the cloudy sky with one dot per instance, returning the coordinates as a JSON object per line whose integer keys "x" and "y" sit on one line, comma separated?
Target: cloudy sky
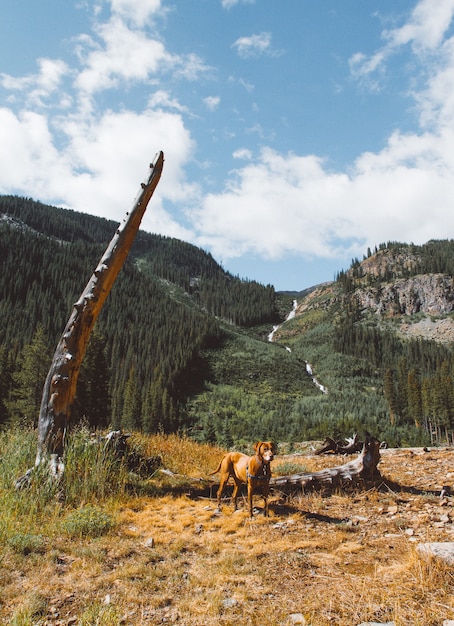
{"x": 296, "y": 133}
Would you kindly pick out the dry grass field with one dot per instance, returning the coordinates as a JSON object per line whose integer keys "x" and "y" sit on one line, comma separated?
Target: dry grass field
{"x": 169, "y": 558}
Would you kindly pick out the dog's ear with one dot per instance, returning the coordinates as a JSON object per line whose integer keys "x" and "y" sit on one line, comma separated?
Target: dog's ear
{"x": 257, "y": 446}
{"x": 273, "y": 447}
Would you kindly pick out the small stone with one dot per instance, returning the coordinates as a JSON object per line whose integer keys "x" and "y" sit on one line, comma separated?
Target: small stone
{"x": 229, "y": 603}
{"x": 296, "y": 618}
{"x": 149, "y": 543}
{"x": 442, "y": 550}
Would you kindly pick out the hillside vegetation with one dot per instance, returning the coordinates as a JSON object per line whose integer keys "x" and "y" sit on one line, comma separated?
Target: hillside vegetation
{"x": 182, "y": 346}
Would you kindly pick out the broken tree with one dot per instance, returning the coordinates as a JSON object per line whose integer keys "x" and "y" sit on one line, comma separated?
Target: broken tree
{"x": 61, "y": 382}
{"x": 362, "y": 469}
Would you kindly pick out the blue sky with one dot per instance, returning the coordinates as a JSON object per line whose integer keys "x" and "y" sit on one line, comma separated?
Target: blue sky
{"x": 296, "y": 134}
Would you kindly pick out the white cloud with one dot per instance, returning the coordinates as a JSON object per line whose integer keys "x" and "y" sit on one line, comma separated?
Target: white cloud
{"x": 228, "y": 4}
{"x": 253, "y": 46}
{"x": 38, "y": 87}
{"x": 243, "y": 153}
{"x": 137, "y": 11}
{"x": 284, "y": 204}
{"x": 212, "y": 102}
{"x": 162, "y": 98}
{"x": 125, "y": 54}
{"x": 424, "y": 31}
{"x": 427, "y": 26}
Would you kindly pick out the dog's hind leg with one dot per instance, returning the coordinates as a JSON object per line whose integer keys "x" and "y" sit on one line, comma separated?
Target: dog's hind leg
{"x": 220, "y": 491}
{"x": 235, "y": 493}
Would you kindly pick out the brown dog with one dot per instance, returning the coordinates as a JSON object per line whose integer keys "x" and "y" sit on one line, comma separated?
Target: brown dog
{"x": 253, "y": 470}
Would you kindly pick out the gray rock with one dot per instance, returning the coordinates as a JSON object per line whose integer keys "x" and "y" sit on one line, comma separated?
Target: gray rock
{"x": 443, "y": 550}
{"x": 296, "y": 619}
{"x": 229, "y": 603}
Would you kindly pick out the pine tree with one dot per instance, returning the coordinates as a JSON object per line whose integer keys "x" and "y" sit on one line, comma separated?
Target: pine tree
{"x": 29, "y": 380}
{"x": 6, "y": 382}
{"x": 389, "y": 391}
{"x": 414, "y": 398}
{"x": 93, "y": 396}
{"x": 132, "y": 403}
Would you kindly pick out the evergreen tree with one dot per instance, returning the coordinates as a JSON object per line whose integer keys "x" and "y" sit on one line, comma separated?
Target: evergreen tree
{"x": 29, "y": 380}
{"x": 93, "y": 398}
{"x": 6, "y": 382}
{"x": 150, "y": 417}
{"x": 389, "y": 391}
{"x": 414, "y": 398}
{"x": 131, "y": 415}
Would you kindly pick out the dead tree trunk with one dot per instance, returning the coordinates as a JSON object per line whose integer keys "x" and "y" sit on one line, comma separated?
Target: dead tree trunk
{"x": 363, "y": 468}
{"x": 60, "y": 386}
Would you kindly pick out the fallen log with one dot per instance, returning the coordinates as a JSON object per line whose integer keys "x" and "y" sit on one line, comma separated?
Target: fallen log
{"x": 350, "y": 446}
{"x": 61, "y": 382}
{"x": 362, "y": 469}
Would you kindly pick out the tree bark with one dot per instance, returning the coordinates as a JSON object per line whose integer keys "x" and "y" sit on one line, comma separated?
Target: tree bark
{"x": 60, "y": 385}
{"x": 363, "y": 468}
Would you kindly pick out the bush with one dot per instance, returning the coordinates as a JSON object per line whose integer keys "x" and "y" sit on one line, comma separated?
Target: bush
{"x": 89, "y": 521}
{"x": 27, "y": 543}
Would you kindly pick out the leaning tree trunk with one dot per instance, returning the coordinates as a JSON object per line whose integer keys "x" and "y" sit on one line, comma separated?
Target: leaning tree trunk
{"x": 60, "y": 386}
{"x": 362, "y": 469}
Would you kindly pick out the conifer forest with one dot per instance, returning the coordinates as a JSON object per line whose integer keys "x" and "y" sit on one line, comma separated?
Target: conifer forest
{"x": 182, "y": 346}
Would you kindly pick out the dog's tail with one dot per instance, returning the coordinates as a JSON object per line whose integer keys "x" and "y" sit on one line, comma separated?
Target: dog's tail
{"x": 216, "y": 470}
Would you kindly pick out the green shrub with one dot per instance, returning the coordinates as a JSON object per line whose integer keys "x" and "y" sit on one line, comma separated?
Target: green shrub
{"x": 88, "y": 521}
{"x": 27, "y": 543}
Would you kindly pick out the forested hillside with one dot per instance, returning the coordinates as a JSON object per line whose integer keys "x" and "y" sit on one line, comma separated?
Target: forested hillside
{"x": 170, "y": 301}
{"x": 381, "y": 337}
{"x": 183, "y": 346}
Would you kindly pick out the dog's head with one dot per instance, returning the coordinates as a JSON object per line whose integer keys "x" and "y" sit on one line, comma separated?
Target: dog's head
{"x": 265, "y": 450}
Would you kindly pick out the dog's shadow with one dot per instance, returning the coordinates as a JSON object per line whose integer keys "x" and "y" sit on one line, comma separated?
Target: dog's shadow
{"x": 287, "y": 510}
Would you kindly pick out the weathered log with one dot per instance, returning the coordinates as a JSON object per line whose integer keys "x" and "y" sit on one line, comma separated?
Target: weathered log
{"x": 61, "y": 382}
{"x": 363, "y": 468}
{"x": 329, "y": 445}
{"x": 350, "y": 446}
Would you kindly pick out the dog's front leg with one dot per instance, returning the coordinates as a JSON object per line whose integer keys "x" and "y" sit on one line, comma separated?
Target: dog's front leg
{"x": 249, "y": 498}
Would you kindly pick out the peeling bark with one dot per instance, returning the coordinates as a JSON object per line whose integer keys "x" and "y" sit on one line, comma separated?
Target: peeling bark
{"x": 61, "y": 382}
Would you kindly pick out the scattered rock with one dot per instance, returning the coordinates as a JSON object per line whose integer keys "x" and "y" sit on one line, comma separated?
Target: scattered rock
{"x": 149, "y": 543}
{"x": 443, "y": 550}
{"x": 229, "y": 603}
{"x": 296, "y": 618}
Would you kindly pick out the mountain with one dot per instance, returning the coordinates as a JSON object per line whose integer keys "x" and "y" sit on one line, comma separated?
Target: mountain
{"x": 182, "y": 345}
